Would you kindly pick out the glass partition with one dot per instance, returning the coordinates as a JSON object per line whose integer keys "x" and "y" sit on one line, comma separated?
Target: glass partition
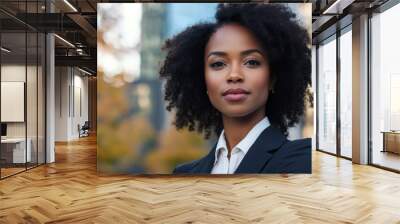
{"x": 31, "y": 100}
{"x": 22, "y": 90}
{"x": 13, "y": 104}
{"x": 41, "y": 91}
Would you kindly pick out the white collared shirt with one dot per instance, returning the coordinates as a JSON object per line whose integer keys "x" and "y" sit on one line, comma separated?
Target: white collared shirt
{"x": 223, "y": 165}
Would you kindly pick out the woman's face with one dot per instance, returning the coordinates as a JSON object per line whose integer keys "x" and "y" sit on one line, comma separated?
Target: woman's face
{"x": 236, "y": 72}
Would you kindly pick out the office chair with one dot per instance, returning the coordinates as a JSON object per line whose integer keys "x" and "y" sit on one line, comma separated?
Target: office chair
{"x": 84, "y": 130}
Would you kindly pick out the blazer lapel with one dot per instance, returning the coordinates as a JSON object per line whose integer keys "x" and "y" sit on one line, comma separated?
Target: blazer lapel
{"x": 260, "y": 152}
{"x": 206, "y": 164}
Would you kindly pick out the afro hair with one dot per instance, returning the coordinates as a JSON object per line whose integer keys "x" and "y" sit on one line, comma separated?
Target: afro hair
{"x": 287, "y": 45}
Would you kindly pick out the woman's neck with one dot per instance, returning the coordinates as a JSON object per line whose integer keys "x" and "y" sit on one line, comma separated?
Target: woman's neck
{"x": 236, "y": 128}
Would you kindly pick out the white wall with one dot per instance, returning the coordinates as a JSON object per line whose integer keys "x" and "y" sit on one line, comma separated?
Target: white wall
{"x": 71, "y": 94}
{"x": 12, "y": 73}
{"x": 61, "y": 103}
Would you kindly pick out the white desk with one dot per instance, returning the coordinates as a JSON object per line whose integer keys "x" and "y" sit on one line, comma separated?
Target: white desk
{"x": 19, "y": 149}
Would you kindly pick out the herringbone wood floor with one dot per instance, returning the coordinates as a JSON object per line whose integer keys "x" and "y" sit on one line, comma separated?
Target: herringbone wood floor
{"x": 70, "y": 191}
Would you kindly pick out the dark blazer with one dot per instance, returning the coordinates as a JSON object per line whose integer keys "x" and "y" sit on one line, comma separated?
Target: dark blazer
{"x": 270, "y": 153}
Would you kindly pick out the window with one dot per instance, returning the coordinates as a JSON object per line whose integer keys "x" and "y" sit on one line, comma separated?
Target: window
{"x": 327, "y": 96}
{"x": 346, "y": 93}
{"x": 385, "y": 88}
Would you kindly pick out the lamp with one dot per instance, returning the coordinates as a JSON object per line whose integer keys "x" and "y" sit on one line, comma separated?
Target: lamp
{"x": 64, "y": 40}
{"x": 70, "y": 5}
{"x": 5, "y": 50}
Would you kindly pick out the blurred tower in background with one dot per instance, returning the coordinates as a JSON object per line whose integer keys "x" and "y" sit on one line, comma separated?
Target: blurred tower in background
{"x": 152, "y": 37}
{"x": 179, "y": 16}
{"x": 145, "y": 92}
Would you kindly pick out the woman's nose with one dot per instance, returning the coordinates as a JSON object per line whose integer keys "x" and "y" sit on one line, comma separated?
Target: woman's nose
{"x": 235, "y": 75}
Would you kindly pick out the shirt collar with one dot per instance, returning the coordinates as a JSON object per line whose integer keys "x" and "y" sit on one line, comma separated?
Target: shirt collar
{"x": 245, "y": 144}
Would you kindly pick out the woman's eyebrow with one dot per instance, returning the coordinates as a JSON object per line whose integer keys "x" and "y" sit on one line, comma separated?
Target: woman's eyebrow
{"x": 247, "y": 52}
{"x": 217, "y": 53}
{"x": 243, "y": 53}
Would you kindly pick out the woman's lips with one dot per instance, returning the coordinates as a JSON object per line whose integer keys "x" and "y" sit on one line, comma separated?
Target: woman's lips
{"x": 235, "y": 95}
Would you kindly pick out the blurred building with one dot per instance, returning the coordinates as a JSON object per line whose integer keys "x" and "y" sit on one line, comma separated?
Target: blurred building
{"x": 160, "y": 22}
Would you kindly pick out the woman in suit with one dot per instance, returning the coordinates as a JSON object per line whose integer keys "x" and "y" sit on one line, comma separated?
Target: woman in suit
{"x": 243, "y": 78}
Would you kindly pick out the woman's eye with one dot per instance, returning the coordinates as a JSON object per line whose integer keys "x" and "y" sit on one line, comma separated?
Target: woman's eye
{"x": 253, "y": 63}
{"x": 217, "y": 64}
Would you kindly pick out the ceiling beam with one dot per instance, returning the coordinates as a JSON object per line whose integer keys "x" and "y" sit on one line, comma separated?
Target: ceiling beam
{"x": 85, "y": 61}
{"x": 83, "y": 23}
